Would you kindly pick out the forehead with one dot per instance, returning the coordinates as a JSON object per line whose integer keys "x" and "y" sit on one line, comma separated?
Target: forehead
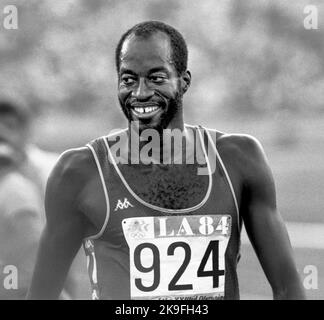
{"x": 142, "y": 54}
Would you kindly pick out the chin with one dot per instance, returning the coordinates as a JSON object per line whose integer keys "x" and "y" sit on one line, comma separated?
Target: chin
{"x": 149, "y": 125}
{"x": 158, "y": 122}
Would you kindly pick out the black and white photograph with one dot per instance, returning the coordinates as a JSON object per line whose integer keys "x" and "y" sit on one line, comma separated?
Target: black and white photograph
{"x": 161, "y": 150}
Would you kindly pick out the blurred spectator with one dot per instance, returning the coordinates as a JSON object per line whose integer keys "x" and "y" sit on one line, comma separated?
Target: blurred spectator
{"x": 24, "y": 169}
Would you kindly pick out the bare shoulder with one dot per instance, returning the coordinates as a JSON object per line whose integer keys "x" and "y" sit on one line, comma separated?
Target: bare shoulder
{"x": 244, "y": 144}
{"x": 244, "y": 151}
{"x": 73, "y": 167}
{"x": 65, "y": 186}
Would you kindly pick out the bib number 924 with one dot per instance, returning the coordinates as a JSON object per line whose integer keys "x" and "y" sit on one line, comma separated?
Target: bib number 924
{"x": 214, "y": 272}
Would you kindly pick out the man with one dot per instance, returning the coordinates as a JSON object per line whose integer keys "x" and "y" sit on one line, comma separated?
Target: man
{"x": 156, "y": 229}
{"x": 24, "y": 170}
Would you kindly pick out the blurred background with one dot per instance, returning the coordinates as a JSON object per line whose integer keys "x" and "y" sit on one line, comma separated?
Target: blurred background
{"x": 255, "y": 70}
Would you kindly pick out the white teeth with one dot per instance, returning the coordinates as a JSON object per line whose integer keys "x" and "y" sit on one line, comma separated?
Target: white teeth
{"x": 139, "y": 110}
{"x": 145, "y": 110}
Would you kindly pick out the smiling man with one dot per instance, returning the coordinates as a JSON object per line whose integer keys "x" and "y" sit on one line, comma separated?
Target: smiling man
{"x": 150, "y": 85}
{"x": 153, "y": 230}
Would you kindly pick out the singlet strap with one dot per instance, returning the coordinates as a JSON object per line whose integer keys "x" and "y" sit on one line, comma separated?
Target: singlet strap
{"x": 104, "y": 187}
{"x": 154, "y": 207}
{"x": 228, "y": 179}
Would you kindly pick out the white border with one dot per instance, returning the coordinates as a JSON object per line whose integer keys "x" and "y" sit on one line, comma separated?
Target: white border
{"x": 99, "y": 234}
{"x": 227, "y": 177}
{"x": 160, "y": 208}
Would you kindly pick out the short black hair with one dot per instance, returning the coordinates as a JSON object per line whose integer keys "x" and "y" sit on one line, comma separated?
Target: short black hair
{"x": 146, "y": 29}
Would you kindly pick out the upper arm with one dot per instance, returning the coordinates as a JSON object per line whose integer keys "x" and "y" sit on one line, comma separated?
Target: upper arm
{"x": 65, "y": 224}
{"x": 258, "y": 183}
{"x": 63, "y": 217}
{"x": 20, "y": 228}
{"x": 263, "y": 222}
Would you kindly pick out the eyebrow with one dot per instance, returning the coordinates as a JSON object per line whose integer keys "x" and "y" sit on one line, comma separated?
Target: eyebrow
{"x": 159, "y": 69}
{"x": 153, "y": 70}
{"x": 129, "y": 71}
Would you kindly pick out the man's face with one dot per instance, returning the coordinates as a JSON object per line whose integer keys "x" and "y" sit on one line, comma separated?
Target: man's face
{"x": 149, "y": 87}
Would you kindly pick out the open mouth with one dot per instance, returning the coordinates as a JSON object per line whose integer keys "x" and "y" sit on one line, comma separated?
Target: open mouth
{"x": 145, "y": 111}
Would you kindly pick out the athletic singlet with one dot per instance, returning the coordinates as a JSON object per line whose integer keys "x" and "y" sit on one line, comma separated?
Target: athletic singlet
{"x": 147, "y": 252}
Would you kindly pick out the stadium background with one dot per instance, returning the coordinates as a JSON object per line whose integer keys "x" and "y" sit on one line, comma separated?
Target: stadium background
{"x": 255, "y": 69}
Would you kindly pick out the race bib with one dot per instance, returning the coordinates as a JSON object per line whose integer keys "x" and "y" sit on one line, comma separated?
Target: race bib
{"x": 177, "y": 257}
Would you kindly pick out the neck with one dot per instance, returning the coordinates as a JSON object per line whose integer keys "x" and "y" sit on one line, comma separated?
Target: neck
{"x": 169, "y": 145}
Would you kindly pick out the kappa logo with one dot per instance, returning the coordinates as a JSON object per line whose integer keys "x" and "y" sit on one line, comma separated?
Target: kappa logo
{"x": 123, "y": 205}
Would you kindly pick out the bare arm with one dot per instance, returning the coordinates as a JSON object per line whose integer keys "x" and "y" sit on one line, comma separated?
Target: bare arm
{"x": 20, "y": 228}
{"x": 265, "y": 226}
{"x": 65, "y": 226}
{"x": 18, "y": 248}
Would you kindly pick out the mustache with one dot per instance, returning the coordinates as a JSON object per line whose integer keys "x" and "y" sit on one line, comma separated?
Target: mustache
{"x": 157, "y": 101}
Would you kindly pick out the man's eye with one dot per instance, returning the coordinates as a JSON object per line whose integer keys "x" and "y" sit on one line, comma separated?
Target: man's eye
{"x": 128, "y": 80}
{"x": 157, "y": 79}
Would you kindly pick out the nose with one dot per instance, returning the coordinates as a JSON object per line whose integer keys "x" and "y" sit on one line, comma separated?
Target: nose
{"x": 142, "y": 92}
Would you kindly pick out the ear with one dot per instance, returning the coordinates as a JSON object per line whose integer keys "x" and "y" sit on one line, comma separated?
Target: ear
{"x": 185, "y": 80}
